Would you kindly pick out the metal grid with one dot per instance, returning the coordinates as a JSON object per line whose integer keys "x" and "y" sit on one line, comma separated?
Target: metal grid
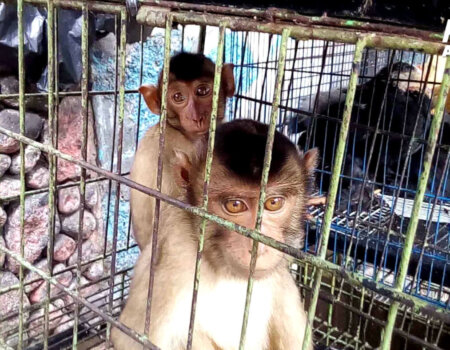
{"x": 329, "y": 279}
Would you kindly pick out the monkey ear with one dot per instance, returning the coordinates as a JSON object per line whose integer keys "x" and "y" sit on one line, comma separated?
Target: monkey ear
{"x": 182, "y": 168}
{"x": 311, "y": 159}
{"x": 228, "y": 79}
{"x": 151, "y": 98}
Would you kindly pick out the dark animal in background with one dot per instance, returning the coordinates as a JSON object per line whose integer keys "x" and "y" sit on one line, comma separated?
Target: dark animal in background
{"x": 277, "y": 318}
{"x": 382, "y": 103}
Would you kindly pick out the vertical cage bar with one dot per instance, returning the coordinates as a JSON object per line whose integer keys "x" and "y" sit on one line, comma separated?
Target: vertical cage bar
{"x": 162, "y": 133}
{"x": 334, "y": 182}
{"x": 51, "y": 160}
{"x": 84, "y": 111}
{"x": 22, "y": 162}
{"x": 209, "y": 157}
{"x": 421, "y": 188}
{"x": 265, "y": 177}
{"x": 121, "y": 87}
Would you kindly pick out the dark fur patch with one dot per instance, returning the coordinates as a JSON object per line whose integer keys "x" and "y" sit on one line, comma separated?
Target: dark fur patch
{"x": 240, "y": 146}
{"x": 188, "y": 66}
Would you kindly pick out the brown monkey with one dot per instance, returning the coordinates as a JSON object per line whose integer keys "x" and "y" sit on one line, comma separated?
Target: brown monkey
{"x": 277, "y": 318}
{"x": 189, "y": 104}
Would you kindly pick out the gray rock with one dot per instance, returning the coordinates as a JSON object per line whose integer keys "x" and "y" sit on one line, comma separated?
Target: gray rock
{"x": 36, "y": 228}
{"x": 10, "y": 85}
{"x": 65, "y": 323}
{"x": 5, "y": 162}
{"x": 32, "y": 155}
{"x": 3, "y": 217}
{"x": 95, "y": 271}
{"x": 9, "y": 119}
{"x": 70, "y": 224}
{"x": 32, "y": 280}
{"x": 9, "y": 186}
{"x": 36, "y": 321}
{"x": 39, "y": 177}
{"x": 65, "y": 278}
{"x": 9, "y": 305}
{"x": 63, "y": 248}
{"x": 70, "y": 133}
{"x": 69, "y": 200}
{"x": 92, "y": 195}
{"x": 89, "y": 249}
{"x": 2, "y": 255}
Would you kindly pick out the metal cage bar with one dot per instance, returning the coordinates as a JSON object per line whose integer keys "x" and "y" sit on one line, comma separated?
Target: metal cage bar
{"x": 208, "y": 164}
{"x": 410, "y": 234}
{"x": 162, "y": 133}
{"x": 331, "y": 198}
{"x": 265, "y": 177}
{"x": 21, "y": 56}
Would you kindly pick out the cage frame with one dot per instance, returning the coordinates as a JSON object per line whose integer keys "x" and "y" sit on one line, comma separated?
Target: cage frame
{"x": 234, "y": 19}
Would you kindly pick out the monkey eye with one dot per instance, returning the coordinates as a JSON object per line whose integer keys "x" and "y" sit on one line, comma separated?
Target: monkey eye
{"x": 234, "y": 206}
{"x": 203, "y": 90}
{"x": 274, "y": 203}
{"x": 178, "y": 97}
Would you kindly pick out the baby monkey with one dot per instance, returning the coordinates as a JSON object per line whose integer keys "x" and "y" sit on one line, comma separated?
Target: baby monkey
{"x": 189, "y": 105}
{"x": 276, "y": 317}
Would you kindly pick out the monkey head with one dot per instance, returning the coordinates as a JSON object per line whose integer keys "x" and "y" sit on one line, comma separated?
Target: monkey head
{"x": 189, "y": 94}
{"x": 234, "y": 194}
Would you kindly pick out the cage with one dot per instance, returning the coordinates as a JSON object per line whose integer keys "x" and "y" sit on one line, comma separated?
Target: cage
{"x": 373, "y": 269}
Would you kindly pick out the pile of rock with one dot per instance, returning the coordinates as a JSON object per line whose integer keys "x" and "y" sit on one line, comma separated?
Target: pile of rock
{"x": 36, "y": 223}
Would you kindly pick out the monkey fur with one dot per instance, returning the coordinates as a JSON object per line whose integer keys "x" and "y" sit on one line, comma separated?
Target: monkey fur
{"x": 277, "y": 318}
{"x": 189, "y": 104}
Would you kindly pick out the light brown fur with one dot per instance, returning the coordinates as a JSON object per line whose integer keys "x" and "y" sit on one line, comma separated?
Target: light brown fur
{"x": 187, "y": 121}
{"x": 276, "y": 317}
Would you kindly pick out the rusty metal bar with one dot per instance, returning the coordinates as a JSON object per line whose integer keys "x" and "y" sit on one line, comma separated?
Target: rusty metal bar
{"x": 75, "y": 295}
{"x": 114, "y": 8}
{"x": 51, "y": 160}
{"x": 209, "y": 158}
{"x": 334, "y": 181}
{"x": 162, "y": 133}
{"x": 154, "y": 17}
{"x": 83, "y": 155}
{"x": 357, "y": 280}
{"x": 265, "y": 178}
{"x": 272, "y": 14}
{"x": 121, "y": 88}
{"x": 422, "y": 186}
{"x": 21, "y": 66}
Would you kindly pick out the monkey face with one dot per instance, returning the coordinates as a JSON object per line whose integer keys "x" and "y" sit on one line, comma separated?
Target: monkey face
{"x": 234, "y": 192}
{"x": 192, "y": 103}
{"x": 240, "y": 206}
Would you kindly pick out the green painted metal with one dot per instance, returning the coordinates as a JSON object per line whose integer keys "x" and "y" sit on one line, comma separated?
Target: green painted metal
{"x": 51, "y": 159}
{"x": 265, "y": 177}
{"x": 418, "y": 305}
{"x": 122, "y": 77}
{"x": 75, "y": 295}
{"x": 208, "y": 164}
{"x": 422, "y": 186}
{"x": 155, "y": 17}
{"x": 334, "y": 182}
{"x": 114, "y": 8}
{"x": 84, "y": 128}
{"x": 162, "y": 132}
{"x": 21, "y": 67}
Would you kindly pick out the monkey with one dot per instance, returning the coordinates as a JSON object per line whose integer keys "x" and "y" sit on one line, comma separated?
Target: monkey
{"x": 189, "y": 105}
{"x": 277, "y": 318}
